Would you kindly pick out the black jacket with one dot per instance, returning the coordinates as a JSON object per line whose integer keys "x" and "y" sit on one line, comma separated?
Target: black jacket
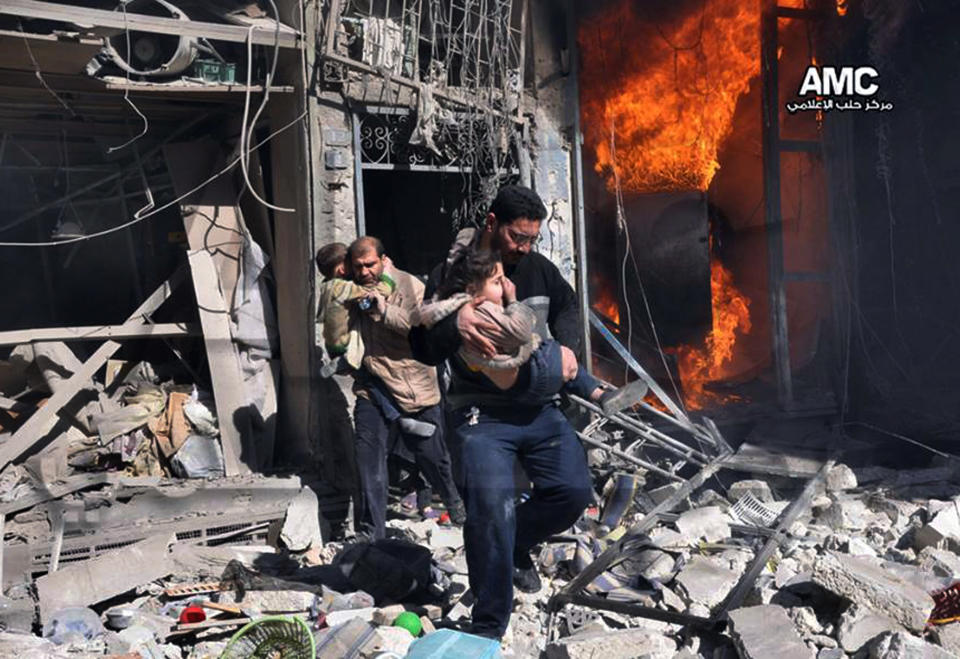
{"x": 541, "y": 287}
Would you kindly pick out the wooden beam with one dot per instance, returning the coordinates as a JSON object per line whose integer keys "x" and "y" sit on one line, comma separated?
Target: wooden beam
{"x": 39, "y": 424}
{"x": 136, "y": 330}
{"x": 224, "y": 364}
{"x": 85, "y": 16}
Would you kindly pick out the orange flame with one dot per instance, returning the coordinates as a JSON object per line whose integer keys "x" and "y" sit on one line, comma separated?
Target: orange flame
{"x": 731, "y": 317}
{"x": 842, "y": 7}
{"x": 674, "y": 102}
{"x": 607, "y": 305}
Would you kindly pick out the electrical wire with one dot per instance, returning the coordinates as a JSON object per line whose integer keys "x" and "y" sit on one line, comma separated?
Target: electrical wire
{"x": 39, "y": 75}
{"x": 163, "y": 207}
{"x": 246, "y": 134}
{"x": 126, "y": 89}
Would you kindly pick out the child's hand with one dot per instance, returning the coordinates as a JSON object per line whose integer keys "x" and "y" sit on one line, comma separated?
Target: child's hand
{"x": 509, "y": 291}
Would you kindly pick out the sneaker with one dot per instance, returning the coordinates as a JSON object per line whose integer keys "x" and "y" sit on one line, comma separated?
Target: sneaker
{"x": 626, "y": 396}
{"x": 526, "y": 580}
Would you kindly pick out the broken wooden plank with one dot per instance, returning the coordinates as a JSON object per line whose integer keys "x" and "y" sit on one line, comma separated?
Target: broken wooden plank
{"x": 224, "y": 363}
{"x": 88, "y": 16}
{"x": 135, "y": 330}
{"x": 40, "y": 423}
{"x": 99, "y": 579}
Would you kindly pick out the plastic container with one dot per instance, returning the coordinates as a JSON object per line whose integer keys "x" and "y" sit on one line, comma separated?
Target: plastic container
{"x": 451, "y": 644}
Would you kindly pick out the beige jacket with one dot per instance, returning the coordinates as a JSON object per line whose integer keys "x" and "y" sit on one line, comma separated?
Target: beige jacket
{"x": 387, "y": 351}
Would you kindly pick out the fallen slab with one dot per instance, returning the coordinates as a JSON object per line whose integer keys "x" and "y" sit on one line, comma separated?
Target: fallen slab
{"x": 99, "y": 579}
{"x": 701, "y": 581}
{"x": 765, "y": 631}
{"x": 900, "y": 645}
{"x": 858, "y": 626}
{"x": 622, "y": 644}
{"x": 863, "y": 582}
{"x": 709, "y": 523}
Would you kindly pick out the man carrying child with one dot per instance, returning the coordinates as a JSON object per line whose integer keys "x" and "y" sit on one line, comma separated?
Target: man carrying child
{"x": 397, "y": 396}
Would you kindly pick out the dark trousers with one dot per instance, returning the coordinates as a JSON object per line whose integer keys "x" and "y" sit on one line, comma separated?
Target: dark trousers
{"x": 496, "y": 531}
{"x": 373, "y": 437}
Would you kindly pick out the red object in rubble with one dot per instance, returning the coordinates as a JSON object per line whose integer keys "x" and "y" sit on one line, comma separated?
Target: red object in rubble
{"x": 946, "y": 605}
{"x": 444, "y": 518}
{"x": 192, "y": 614}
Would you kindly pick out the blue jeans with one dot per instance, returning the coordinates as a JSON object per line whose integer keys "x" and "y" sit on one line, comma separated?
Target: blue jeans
{"x": 497, "y": 531}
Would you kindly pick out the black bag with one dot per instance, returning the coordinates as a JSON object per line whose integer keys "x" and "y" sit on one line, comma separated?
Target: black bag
{"x": 389, "y": 570}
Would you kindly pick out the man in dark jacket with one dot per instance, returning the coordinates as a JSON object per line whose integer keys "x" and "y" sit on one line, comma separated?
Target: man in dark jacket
{"x": 495, "y": 431}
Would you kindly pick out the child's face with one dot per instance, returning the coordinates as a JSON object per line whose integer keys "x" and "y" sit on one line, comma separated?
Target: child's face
{"x": 492, "y": 288}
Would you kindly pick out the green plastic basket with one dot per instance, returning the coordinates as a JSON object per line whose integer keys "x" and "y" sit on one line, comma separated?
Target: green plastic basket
{"x": 273, "y": 637}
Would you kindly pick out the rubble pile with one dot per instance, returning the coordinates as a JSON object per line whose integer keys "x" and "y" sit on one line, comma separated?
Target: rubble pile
{"x": 126, "y": 540}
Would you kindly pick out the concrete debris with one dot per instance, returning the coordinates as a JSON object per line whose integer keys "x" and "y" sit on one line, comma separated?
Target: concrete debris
{"x": 99, "y": 579}
{"x": 865, "y": 583}
{"x": 759, "y": 489}
{"x": 766, "y": 631}
{"x": 710, "y": 524}
{"x": 858, "y": 626}
{"x": 944, "y": 526}
{"x": 301, "y": 526}
{"x": 901, "y": 645}
{"x": 840, "y": 478}
{"x": 703, "y": 582}
{"x": 623, "y": 644}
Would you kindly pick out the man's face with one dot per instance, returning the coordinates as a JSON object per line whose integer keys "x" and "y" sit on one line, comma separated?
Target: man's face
{"x": 516, "y": 239}
{"x": 367, "y": 267}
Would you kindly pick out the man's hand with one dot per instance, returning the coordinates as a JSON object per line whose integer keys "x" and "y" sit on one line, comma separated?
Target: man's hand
{"x": 373, "y": 303}
{"x": 509, "y": 291}
{"x": 569, "y": 361}
{"x": 470, "y": 326}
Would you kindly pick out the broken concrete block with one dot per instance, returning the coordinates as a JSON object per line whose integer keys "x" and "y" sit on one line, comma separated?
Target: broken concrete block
{"x": 334, "y": 618}
{"x": 859, "y": 547}
{"x": 301, "y": 527}
{"x": 901, "y": 645}
{"x": 97, "y": 579}
{"x": 387, "y": 614}
{"x": 759, "y": 489}
{"x": 858, "y": 626}
{"x": 948, "y": 636}
{"x": 651, "y": 563}
{"x": 841, "y": 477}
{"x": 427, "y": 625}
{"x": 860, "y": 581}
{"x": 701, "y": 581}
{"x": 847, "y": 515}
{"x": 942, "y": 562}
{"x": 945, "y": 525}
{"x": 271, "y": 601}
{"x": 764, "y": 631}
{"x": 387, "y": 640}
{"x": 622, "y": 644}
{"x": 16, "y": 615}
{"x": 831, "y": 653}
{"x": 666, "y": 538}
{"x": 708, "y": 523}
{"x": 672, "y": 600}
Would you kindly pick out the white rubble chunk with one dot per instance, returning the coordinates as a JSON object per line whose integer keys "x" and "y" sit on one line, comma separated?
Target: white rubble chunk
{"x": 841, "y": 477}
{"x": 709, "y": 523}
{"x": 765, "y": 631}
{"x": 622, "y": 644}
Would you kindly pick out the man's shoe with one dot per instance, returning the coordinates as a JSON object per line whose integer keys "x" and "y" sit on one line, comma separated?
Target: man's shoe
{"x": 458, "y": 513}
{"x": 626, "y": 396}
{"x": 526, "y": 580}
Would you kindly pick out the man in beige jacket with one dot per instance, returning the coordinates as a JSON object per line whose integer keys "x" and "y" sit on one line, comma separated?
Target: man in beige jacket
{"x": 397, "y": 396}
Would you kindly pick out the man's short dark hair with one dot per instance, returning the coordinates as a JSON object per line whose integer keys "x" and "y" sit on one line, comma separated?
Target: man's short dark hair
{"x": 329, "y": 257}
{"x": 515, "y": 201}
{"x": 364, "y": 243}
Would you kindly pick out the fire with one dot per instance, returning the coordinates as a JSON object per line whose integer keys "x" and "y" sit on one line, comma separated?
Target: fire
{"x": 842, "y": 6}
{"x": 607, "y": 305}
{"x": 673, "y": 101}
{"x": 731, "y": 318}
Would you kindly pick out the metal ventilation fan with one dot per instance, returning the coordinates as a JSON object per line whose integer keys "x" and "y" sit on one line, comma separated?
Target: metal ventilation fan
{"x": 149, "y": 54}
{"x": 273, "y": 637}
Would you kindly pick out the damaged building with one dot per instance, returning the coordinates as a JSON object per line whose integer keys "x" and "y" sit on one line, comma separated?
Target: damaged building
{"x": 770, "y": 265}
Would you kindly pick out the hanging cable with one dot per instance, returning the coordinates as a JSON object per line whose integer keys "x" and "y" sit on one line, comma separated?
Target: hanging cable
{"x": 126, "y": 89}
{"x": 39, "y": 75}
{"x": 628, "y": 251}
{"x": 165, "y": 206}
{"x": 246, "y": 135}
